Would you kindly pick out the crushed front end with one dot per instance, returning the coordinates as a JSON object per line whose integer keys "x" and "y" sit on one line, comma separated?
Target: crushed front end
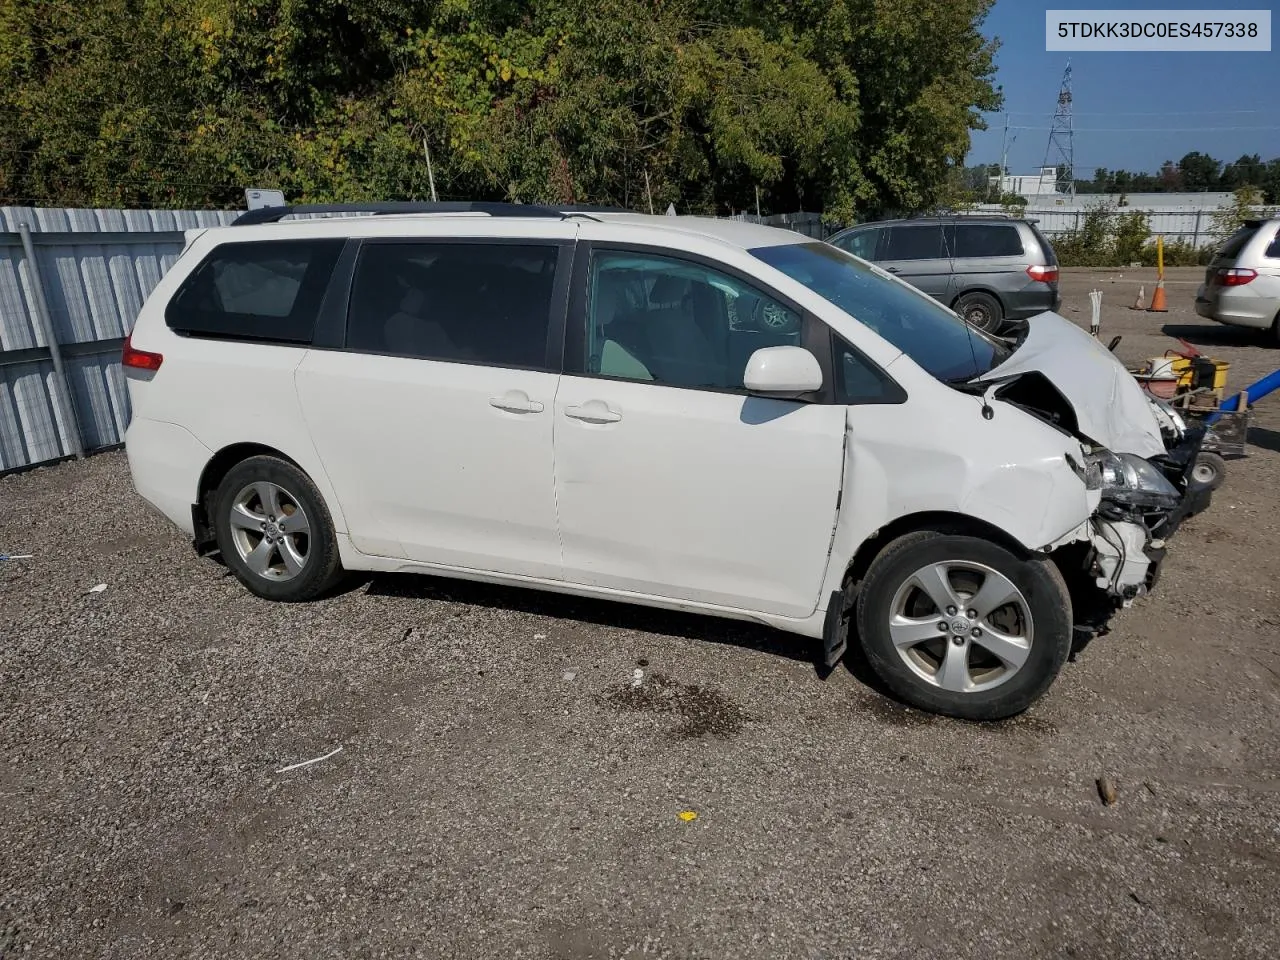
{"x": 1142, "y": 503}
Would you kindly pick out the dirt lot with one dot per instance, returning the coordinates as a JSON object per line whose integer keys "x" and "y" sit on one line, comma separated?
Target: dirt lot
{"x": 503, "y": 791}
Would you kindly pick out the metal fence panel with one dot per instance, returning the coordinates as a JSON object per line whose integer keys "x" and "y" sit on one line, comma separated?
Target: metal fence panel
{"x": 94, "y": 286}
{"x": 1190, "y": 224}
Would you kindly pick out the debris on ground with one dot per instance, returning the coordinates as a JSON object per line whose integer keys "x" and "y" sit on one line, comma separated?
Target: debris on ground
{"x": 98, "y": 589}
{"x": 1106, "y": 790}
{"x": 307, "y": 763}
{"x": 688, "y": 816}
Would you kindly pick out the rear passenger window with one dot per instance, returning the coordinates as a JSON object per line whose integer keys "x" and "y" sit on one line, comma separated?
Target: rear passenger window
{"x": 914, "y": 243}
{"x": 266, "y": 290}
{"x": 1273, "y": 251}
{"x": 462, "y": 302}
{"x": 987, "y": 240}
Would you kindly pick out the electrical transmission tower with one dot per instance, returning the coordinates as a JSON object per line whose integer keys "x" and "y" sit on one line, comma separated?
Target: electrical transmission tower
{"x": 1061, "y": 149}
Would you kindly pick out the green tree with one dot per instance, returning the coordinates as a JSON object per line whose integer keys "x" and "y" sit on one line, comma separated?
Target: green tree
{"x": 1198, "y": 172}
{"x": 819, "y": 105}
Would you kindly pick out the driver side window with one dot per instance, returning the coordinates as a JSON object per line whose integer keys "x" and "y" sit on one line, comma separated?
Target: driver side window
{"x": 677, "y": 323}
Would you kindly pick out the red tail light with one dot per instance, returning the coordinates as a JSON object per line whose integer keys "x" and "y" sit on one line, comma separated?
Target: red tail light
{"x": 1235, "y": 276}
{"x": 1043, "y": 274}
{"x": 139, "y": 359}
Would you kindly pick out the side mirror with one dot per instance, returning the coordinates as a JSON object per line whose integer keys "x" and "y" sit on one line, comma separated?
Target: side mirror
{"x": 783, "y": 372}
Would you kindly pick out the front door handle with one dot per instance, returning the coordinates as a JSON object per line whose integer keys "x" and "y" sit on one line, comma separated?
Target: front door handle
{"x": 516, "y": 401}
{"x": 893, "y": 269}
{"x": 593, "y": 411}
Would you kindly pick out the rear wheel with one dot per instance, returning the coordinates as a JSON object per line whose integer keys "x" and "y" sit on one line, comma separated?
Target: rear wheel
{"x": 981, "y": 310}
{"x": 1275, "y": 331}
{"x": 274, "y": 530}
{"x": 960, "y": 626}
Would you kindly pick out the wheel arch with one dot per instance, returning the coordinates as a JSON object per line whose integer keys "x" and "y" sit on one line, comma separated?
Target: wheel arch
{"x": 938, "y": 521}
{"x": 211, "y": 476}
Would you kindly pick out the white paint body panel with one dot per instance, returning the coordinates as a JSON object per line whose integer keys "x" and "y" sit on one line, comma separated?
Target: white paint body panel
{"x": 1112, "y": 409}
{"x": 697, "y": 495}
{"x": 427, "y": 469}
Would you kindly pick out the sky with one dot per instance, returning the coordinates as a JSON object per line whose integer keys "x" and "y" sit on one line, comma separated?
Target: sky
{"x": 1132, "y": 111}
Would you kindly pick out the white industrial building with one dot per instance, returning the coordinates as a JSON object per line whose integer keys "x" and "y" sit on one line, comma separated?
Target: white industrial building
{"x": 1041, "y": 189}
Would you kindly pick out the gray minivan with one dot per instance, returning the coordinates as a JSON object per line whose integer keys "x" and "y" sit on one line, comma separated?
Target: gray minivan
{"x": 988, "y": 268}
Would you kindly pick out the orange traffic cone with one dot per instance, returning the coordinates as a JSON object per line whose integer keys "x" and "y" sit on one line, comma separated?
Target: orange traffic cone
{"x": 1140, "y": 303}
{"x": 1157, "y": 299}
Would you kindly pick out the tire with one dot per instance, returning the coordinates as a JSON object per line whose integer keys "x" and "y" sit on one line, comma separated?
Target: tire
{"x": 1210, "y": 471}
{"x": 926, "y": 673}
{"x": 300, "y": 559}
{"x": 981, "y": 310}
{"x": 1275, "y": 331}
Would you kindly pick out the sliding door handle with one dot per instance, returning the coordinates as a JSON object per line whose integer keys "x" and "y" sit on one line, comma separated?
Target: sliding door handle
{"x": 593, "y": 411}
{"x": 516, "y": 401}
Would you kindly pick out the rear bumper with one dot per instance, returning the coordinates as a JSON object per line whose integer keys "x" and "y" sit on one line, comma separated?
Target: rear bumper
{"x": 1032, "y": 302}
{"x": 165, "y": 462}
{"x": 1237, "y": 307}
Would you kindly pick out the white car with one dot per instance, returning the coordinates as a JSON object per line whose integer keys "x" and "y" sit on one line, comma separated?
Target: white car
{"x": 696, "y": 414}
{"x": 1242, "y": 285}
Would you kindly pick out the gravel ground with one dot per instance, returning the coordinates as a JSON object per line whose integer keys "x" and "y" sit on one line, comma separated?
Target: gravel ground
{"x": 503, "y": 790}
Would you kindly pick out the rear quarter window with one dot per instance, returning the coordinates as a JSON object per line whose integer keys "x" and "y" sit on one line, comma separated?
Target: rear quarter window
{"x": 266, "y": 290}
{"x": 1236, "y": 242}
{"x": 987, "y": 240}
{"x": 1273, "y": 251}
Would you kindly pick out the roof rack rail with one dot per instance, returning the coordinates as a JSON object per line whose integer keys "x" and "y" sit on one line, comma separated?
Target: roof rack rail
{"x": 492, "y": 208}
{"x": 572, "y": 208}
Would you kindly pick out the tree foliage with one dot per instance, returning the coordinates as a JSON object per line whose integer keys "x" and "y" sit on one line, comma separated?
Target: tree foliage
{"x": 852, "y": 106}
{"x": 1196, "y": 172}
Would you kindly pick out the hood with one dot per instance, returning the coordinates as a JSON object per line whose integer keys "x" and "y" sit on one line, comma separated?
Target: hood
{"x": 1111, "y": 408}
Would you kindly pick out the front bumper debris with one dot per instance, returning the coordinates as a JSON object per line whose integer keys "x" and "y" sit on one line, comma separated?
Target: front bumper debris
{"x": 1129, "y": 554}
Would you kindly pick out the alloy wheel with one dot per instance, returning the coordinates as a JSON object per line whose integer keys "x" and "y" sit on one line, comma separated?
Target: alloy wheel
{"x": 961, "y": 626}
{"x": 270, "y": 531}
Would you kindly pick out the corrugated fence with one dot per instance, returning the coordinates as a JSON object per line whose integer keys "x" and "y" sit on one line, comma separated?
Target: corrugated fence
{"x": 1189, "y": 224}
{"x": 93, "y": 270}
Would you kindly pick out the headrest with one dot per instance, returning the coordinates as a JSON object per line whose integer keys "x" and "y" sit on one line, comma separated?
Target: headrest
{"x": 668, "y": 289}
{"x": 412, "y": 301}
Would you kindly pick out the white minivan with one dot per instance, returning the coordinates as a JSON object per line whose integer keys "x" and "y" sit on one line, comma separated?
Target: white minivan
{"x": 697, "y": 414}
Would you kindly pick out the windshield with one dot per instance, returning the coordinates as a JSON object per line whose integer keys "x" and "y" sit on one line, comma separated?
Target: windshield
{"x": 927, "y": 332}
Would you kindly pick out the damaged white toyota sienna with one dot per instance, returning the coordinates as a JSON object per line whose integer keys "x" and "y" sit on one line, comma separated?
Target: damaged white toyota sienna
{"x": 696, "y": 414}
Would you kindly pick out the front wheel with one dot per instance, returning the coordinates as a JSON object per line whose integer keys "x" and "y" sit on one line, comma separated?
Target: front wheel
{"x": 960, "y": 626}
{"x": 274, "y": 530}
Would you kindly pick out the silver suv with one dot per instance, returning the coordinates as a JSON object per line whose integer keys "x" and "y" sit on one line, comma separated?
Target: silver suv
{"x": 1242, "y": 285}
{"x": 989, "y": 269}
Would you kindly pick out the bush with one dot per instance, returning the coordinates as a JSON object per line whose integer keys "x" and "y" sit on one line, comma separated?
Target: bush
{"x": 1130, "y": 234}
{"x": 1107, "y": 238}
{"x": 1177, "y": 253}
{"x": 1091, "y": 245}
